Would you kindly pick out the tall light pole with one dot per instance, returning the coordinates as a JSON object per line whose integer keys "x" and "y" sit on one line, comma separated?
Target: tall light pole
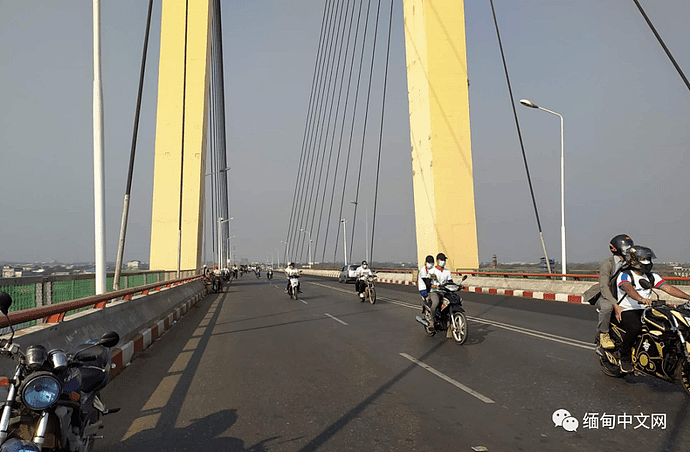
{"x": 98, "y": 153}
{"x": 287, "y": 252}
{"x": 277, "y": 253}
{"x": 309, "y": 236}
{"x": 220, "y": 242}
{"x": 343, "y": 221}
{"x": 530, "y": 104}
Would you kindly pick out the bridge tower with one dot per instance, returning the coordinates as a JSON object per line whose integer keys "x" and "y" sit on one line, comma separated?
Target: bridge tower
{"x": 180, "y": 155}
{"x": 438, "y": 93}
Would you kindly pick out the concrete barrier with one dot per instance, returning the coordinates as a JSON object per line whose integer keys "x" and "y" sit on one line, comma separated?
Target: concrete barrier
{"x": 543, "y": 289}
{"x": 139, "y": 322}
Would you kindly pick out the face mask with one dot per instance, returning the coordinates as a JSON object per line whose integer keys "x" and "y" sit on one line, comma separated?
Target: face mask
{"x": 441, "y": 264}
{"x": 429, "y": 265}
{"x": 646, "y": 267}
{"x": 365, "y": 266}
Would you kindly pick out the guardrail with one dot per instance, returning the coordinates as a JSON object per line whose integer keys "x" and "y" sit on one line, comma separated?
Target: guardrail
{"x": 55, "y": 313}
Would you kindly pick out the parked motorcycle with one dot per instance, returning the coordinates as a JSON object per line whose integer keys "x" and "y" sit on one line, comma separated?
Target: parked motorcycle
{"x": 450, "y": 315}
{"x": 293, "y": 290}
{"x": 662, "y": 349}
{"x": 53, "y": 399}
{"x": 369, "y": 289}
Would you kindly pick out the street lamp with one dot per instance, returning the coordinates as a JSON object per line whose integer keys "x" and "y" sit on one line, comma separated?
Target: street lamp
{"x": 530, "y": 104}
{"x": 278, "y": 254}
{"x": 343, "y": 221}
{"x": 309, "y": 236}
{"x": 220, "y": 241}
{"x": 224, "y": 170}
{"x": 287, "y": 252}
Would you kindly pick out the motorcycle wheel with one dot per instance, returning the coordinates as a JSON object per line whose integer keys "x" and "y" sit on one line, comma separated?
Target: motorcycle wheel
{"x": 372, "y": 295}
{"x": 683, "y": 376}
{"x": 458, "y": 325}
{"x": 294, "y": 293}
{"x": 608, "y": 369}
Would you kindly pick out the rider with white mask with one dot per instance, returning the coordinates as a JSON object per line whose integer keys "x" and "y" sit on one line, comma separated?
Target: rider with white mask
{"x": 439, "y": 276}
{"x": 361, "y": 273}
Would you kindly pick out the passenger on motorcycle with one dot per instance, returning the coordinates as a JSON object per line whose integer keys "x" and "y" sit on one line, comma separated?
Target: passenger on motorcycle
{"x": 290, "y": 270}
{"x": 634, "y": 292}
{"x": 424, "y": 279}
{"x": 361, "y": 273}
{"x": 618, "y": 246}
{"x": 439, "y": 276}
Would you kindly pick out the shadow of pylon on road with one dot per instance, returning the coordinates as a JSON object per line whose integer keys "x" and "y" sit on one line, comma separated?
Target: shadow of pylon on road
{"x": 351, "y": 415}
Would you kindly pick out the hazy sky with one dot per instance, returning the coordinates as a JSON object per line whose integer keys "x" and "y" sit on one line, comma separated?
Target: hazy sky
{"x": 627, "y": 115}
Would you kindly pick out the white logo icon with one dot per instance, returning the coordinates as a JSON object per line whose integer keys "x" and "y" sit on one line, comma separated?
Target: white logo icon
{"x": 562, "y": 418}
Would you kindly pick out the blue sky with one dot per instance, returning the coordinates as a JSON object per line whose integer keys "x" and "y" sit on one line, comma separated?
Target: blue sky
{"x": 626, "y": 127}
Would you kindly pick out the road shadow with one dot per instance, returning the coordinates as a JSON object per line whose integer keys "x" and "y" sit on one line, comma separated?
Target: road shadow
{"x": 355, "y": 412}
{"x": 477, "y": 332}
{"x": 201, "y": 434}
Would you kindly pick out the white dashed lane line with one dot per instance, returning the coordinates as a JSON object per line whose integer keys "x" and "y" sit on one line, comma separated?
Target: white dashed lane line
{"x": 445, "y": 377}
{"x": 335, "y": 318}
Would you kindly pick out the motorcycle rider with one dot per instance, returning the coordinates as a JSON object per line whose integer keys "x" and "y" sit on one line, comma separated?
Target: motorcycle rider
{"x": 607, "y": 301}
{"x": 439, "y": 276}
{"x": 269, "y": 272}
{"x": 634, "y": 291}
{"x": 424, "y": 279}
{"x": 290, "y": 270}
{"x": 361, "y": 273}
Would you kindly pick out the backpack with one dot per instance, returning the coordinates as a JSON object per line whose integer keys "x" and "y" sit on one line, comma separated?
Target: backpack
{"x": 593, "y": 294}
{"x": 627, "y": 271}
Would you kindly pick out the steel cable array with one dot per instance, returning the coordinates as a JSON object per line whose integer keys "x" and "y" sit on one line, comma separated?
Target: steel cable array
{"x": 324, "y": 114}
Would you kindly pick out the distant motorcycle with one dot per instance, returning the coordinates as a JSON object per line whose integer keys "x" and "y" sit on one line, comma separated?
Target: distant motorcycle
{"x": 269, "y": 275}
{"x": 258, "y": 274}
{"x": 450, "y": 315}
{"x": 661, "y": 350}
{"x": 53, "y": 401}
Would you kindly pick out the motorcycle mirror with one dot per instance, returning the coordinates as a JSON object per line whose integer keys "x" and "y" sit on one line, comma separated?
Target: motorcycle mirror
{"x": 5, "y": 302}
{"x": 109, "y": 339}
{"x": 464, "y": 278}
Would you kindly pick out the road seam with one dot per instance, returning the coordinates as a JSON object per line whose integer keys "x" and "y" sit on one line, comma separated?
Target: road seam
{"x": 445, "y": 377}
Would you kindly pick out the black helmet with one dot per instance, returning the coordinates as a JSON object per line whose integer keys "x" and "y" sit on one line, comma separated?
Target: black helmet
{"x": 620, "y": 243}
{"x": 640, "y": 258}
{"x": 441, "y": 257}
{"x": 430, "y": 259}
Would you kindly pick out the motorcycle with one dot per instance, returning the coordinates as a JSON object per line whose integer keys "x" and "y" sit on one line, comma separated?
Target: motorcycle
{"x": 662, "y": 349}
{"x": 450, "y": 315}
{"x": 53, "y": 401}
{"x": 213, "y": 282}
{"x": 269, "y": 275}
{"x": 293, "y": 289}
{"x": 258, "y": 274}
{"x": 369, "y": 290}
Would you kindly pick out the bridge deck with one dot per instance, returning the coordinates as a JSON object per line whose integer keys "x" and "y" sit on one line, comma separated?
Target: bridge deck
{"x": 250, "y": 369}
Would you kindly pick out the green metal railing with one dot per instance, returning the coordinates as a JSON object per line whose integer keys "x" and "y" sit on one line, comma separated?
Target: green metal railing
{"x": 31, "y": 292}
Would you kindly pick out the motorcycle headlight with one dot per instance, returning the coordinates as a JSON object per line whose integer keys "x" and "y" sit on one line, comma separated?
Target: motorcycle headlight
{"x": 40, "y": 391}
{"x": 19, "y": 445}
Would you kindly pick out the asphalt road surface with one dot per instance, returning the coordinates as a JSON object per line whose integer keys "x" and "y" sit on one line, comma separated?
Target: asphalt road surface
{"x": 252, "y": 370}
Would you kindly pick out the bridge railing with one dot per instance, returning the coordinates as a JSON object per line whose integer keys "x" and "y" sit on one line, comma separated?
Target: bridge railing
{"x": 56, "y": 312}
{"x": 40, "y": 291}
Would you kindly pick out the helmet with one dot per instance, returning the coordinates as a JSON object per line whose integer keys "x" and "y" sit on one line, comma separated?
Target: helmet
{"x": 640, "y": 258}
{"x": 620, "y": 243}
{"x": 441, "y": 257}
{"x": 291, "y": 264}
{"x": 430, "y": 259}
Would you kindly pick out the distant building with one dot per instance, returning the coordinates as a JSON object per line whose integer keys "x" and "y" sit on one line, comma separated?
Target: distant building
{"x": 7, "y": 271}
{"x": 133, "y": 265}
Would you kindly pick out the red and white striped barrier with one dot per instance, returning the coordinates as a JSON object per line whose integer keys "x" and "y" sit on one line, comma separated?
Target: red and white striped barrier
{"x": 123, "y": 355}
{"x": 528, "y": 294}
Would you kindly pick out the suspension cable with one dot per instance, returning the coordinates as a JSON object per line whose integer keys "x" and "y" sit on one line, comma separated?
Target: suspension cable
{"x": 383, "y": 109}
{"x": 364, "y": 131}
{"x": 517, "y": 125}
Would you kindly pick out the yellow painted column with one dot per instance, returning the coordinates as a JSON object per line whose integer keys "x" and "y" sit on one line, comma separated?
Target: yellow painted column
{"x": 440, "y": 131}
{"x": 175, "y": 99}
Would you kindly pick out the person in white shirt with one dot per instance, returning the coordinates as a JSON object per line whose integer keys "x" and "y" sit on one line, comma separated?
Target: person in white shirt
{"x": 361, "y": 273}
{"x": 290, "y": 270}
{"x": 634, "y": 292}
{"x": 424, "y": 280}
{"x": 439, "y": 276}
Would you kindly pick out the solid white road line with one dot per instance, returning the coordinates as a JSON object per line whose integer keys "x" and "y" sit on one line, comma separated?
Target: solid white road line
{"x": 336, "y": 319}
{"x": 445, "y": 377}
{"x": 517, "y": 329}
